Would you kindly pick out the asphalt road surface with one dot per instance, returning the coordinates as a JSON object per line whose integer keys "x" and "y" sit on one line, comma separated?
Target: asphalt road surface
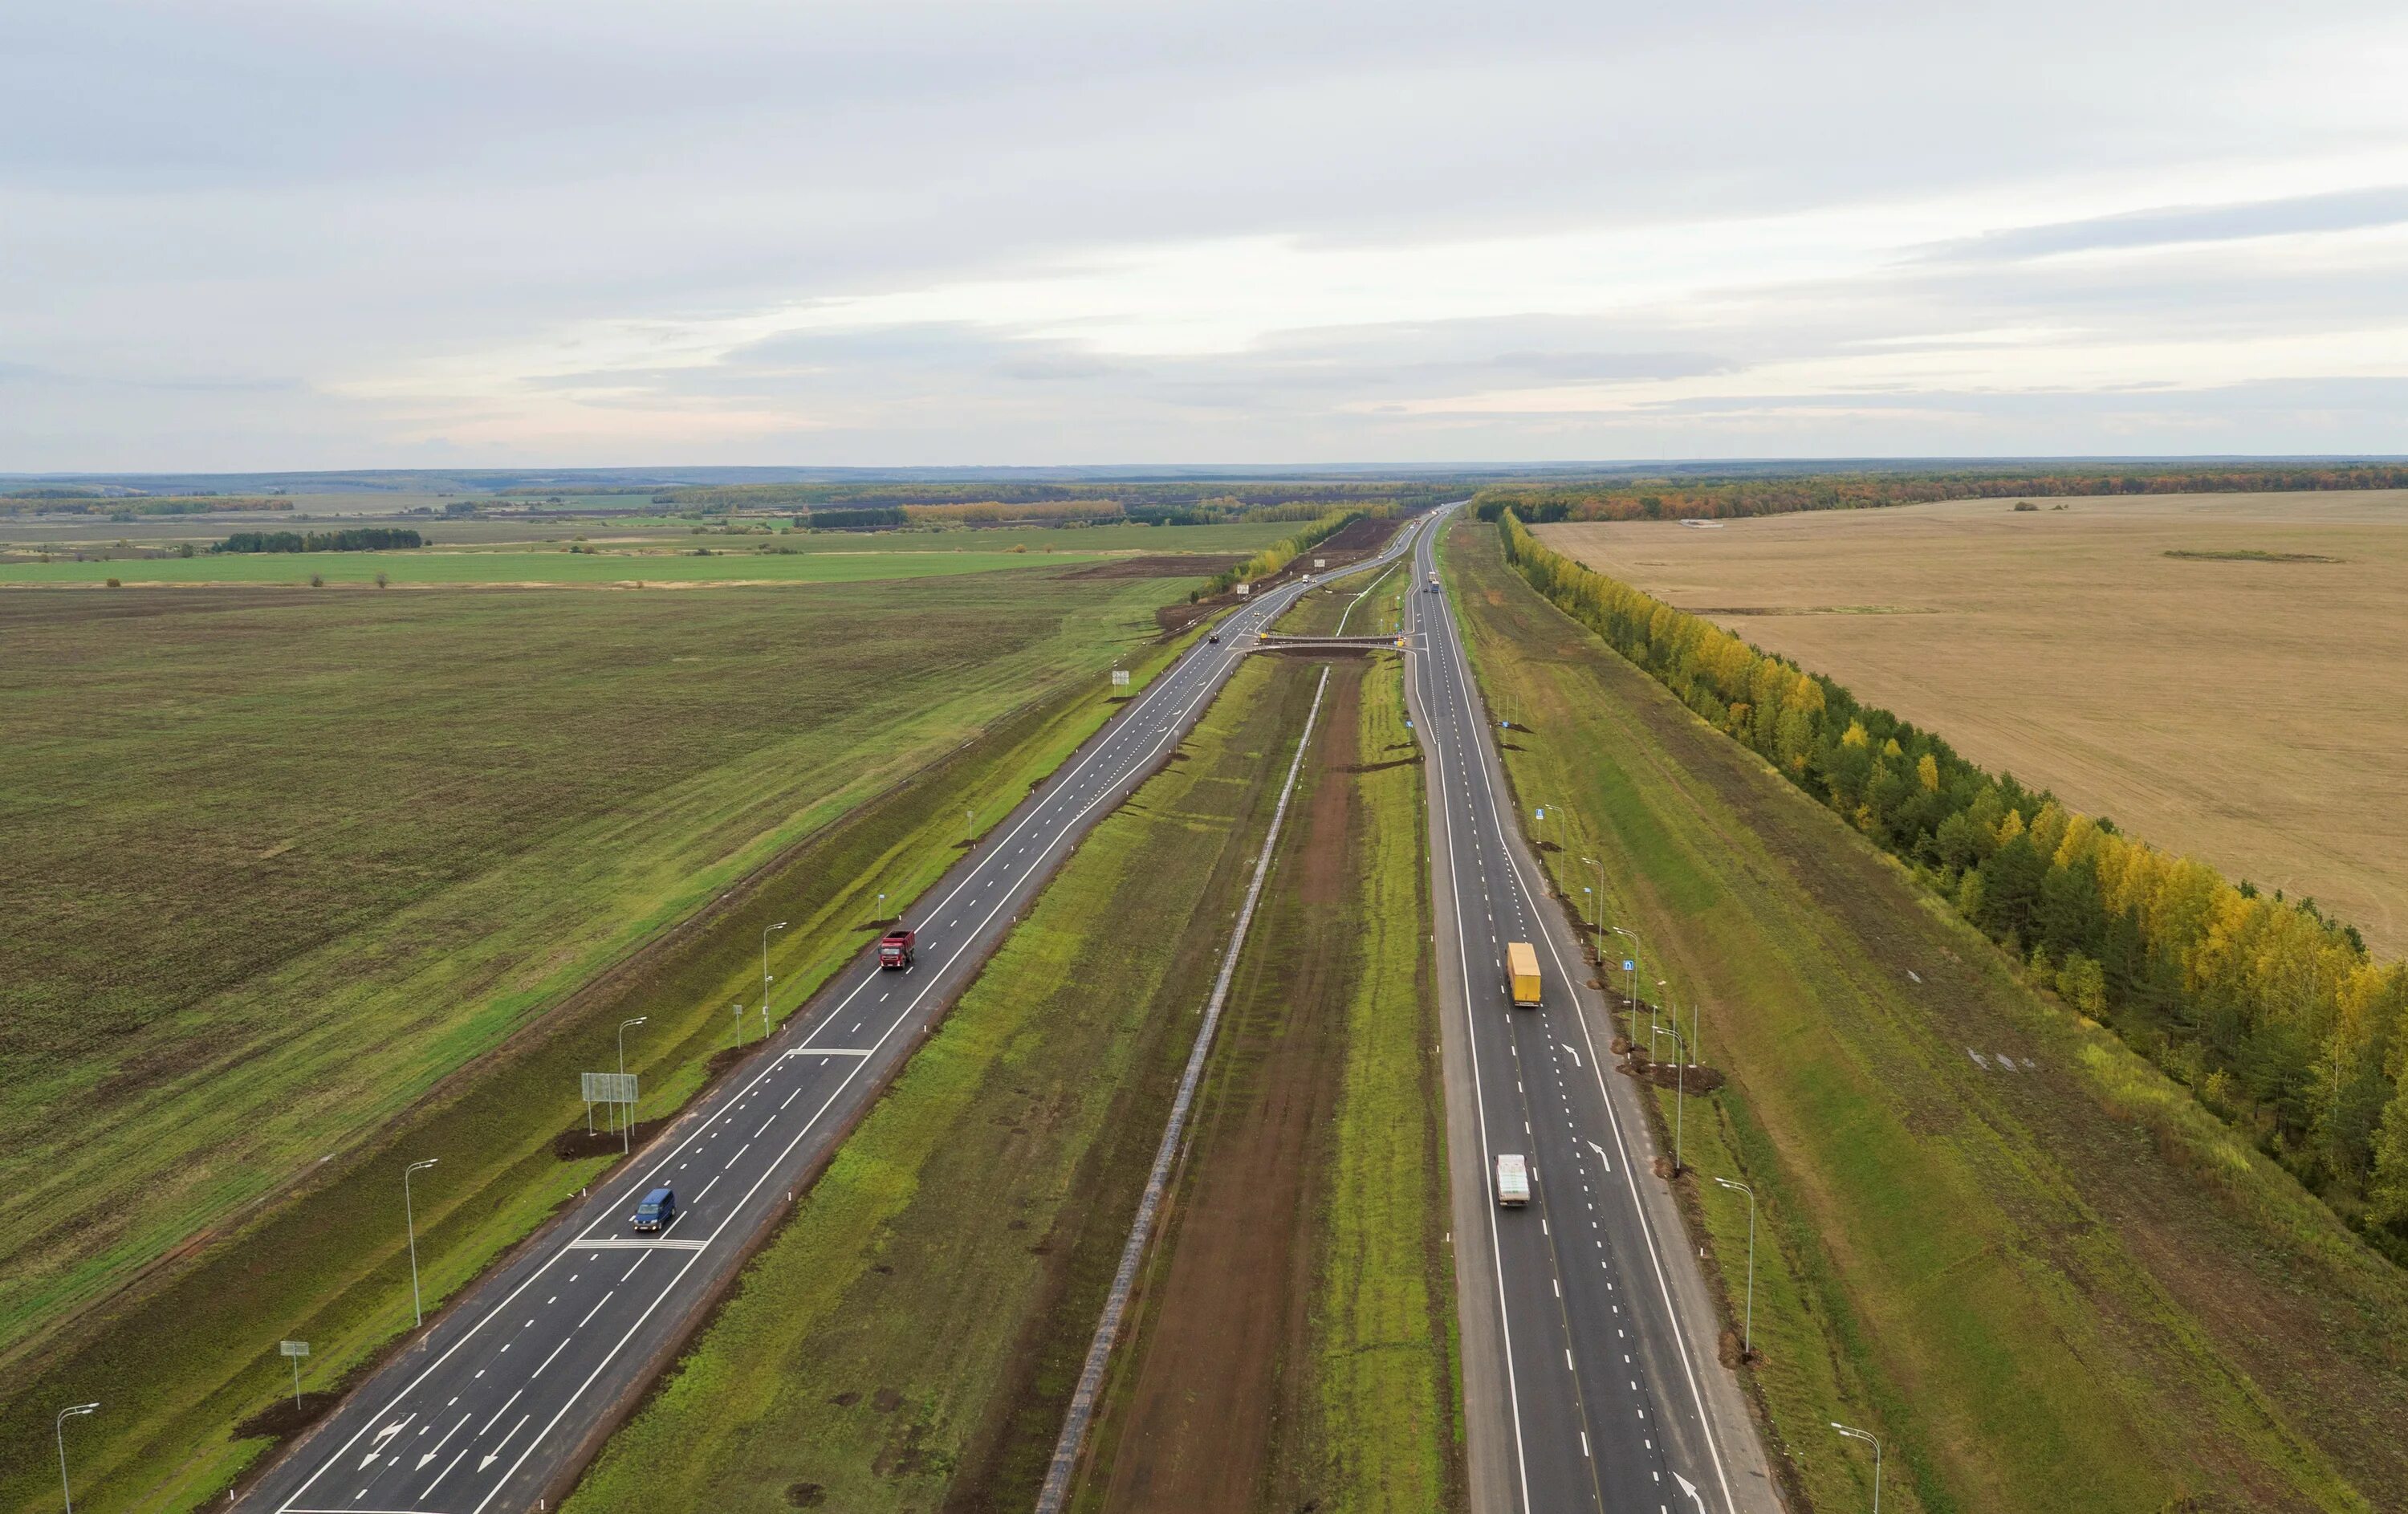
{"x": 1591, "y": 1379}
{"x": 498, "y": 1401}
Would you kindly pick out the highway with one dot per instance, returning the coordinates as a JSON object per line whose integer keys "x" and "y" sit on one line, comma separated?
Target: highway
{"x": 1591, "y": 1379}
{"x": 502, "y": 1397}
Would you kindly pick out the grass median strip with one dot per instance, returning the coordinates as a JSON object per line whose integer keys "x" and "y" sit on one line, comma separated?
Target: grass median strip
{"x": 1291, "y": 1345}
{"x": 908, "y": 1339}
{"x": 2056, "y": 1286}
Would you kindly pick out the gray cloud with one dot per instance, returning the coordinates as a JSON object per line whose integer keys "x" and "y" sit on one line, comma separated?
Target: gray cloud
{"x": 252, "y": 232}
{"x": 2353, "y": 209}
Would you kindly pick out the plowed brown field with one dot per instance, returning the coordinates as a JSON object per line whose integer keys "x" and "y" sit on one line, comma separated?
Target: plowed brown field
{"x": 2246, "y": 709}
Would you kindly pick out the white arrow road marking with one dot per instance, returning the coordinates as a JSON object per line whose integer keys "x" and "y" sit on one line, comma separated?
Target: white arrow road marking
{"x": 495, "y": 1454}
{"x": 1575, "y": 1053}
{"x": 440, "y": 1444}
{"x": 1689, "y": 1491}
{"x": 1601, "y": 1155}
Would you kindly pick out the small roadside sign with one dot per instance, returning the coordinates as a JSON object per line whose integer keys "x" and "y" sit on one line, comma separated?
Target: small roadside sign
{"x": 1320, "y": 562}
{"x": 1245, "y": 590}
{"x": 1630, "y": 966}
{"x": 1119, "y": 678}
{"x": 296, "y": 1349}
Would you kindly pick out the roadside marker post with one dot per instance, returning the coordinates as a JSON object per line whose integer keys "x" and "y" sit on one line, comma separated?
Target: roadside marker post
{"x": 295, "y": 1349}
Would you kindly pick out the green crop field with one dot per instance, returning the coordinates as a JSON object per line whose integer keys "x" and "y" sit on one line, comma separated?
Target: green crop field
{"x": 908, "y": 1341}
{"x": 2061, "y": 1285}
{"x": 281, "y": 863}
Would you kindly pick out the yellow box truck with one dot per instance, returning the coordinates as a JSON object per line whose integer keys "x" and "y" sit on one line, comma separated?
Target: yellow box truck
{"x": 1523, "y": 964}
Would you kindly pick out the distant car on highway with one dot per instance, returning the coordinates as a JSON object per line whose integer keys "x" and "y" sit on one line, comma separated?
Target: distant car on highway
{"x": 658, "y": 1210}
{"x": 1512, "y": 1180}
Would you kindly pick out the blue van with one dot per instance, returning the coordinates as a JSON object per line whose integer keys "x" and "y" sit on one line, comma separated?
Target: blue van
{"x": 657, "y": 1210}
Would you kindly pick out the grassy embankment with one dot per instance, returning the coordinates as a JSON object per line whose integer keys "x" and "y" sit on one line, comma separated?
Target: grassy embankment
{"x": 518, "y": 818}
{"x": 909, "y": 1339}
{"x": 1381, "y": 1388}
{"x": 2062, "y": 1287}
{"x": 1292, "y": 1342}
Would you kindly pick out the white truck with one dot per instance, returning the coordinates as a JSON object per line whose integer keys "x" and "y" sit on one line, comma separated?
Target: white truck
{"x": 1430, "y": 588}
{"x": 1512, "y": 1180}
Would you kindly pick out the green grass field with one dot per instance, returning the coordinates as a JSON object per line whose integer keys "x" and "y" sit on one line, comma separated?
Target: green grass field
{"x": 2062, "y": 1287}
{"x": 226, "y": 988}
{"x": 502, "y": 566}
{"x": 909, "y": 1339}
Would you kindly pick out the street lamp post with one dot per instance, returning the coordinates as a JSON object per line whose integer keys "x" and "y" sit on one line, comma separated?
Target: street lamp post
{"x": 1596, "y": 921}
{"x": 765, "y": 972}
{"x": 1747, "y": 1329}
{"x": 58, "y": 1428}
{"x": 628, "y": 1117}
{"x": 739, "y": 1026}
{"x": 1872, "y": 1440}
{"x": 1680, "y": 1091}
{"x": 409, "y": 1220}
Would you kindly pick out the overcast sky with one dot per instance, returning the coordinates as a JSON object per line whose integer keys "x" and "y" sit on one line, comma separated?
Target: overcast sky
{"x": 368, "y": 233}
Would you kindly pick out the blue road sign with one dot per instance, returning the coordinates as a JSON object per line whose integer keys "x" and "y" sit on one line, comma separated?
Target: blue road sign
{"x": 1630, "y": 966}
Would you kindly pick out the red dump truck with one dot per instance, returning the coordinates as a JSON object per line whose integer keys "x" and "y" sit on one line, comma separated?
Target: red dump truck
{"x": 896, "y": 948}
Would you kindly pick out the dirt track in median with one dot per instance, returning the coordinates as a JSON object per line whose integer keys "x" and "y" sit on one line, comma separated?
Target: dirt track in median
{"x": 1195, "y": 1426}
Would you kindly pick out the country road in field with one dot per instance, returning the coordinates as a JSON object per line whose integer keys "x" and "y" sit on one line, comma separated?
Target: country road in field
{"x": 504, "y": 1396}
{"x": 1590, "y": 1373}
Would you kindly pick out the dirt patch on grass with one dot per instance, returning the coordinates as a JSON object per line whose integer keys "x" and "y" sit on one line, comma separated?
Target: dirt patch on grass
{"x": 1228, "y": 1304}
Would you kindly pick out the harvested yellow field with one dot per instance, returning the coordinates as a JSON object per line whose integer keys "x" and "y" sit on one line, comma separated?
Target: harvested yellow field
{"x": 2226, "y": 675}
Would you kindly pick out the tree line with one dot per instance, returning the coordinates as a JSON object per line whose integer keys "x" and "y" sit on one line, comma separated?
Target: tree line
{"x": 350, "y": 538}
{"x": 1286, "y": 550}
{"x": 2276, "y": 1017}
{"x": 1730, "y": 499}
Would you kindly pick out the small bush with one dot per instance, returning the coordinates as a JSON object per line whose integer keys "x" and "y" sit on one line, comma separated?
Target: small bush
{"x": 114, "y": 584}
{"x": 317, "y": 581}
{"x": 382, "y": 580}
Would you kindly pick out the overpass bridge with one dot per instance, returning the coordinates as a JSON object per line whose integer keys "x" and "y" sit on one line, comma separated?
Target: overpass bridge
{"x": 1274, "y": 641}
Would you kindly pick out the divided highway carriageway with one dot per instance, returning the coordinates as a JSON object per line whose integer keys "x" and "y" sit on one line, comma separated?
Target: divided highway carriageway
{"x": 1590, "y": 1373}
{"x": 499, "y": 1401}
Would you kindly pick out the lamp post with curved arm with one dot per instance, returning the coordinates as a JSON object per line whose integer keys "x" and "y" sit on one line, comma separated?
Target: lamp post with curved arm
{"x": 409, "y": 1220}
{"x": 1747, "y": 1329}
{"x": 58, "y": 1429}
{"x": 628, "y": 1117}
{"x": 1869, "y": 1439}
{"x": 764, "y": 975}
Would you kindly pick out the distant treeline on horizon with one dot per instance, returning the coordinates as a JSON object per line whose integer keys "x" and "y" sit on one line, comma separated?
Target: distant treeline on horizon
{"x": 1721, "y": 499}
{"x": 353, "y": 539}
